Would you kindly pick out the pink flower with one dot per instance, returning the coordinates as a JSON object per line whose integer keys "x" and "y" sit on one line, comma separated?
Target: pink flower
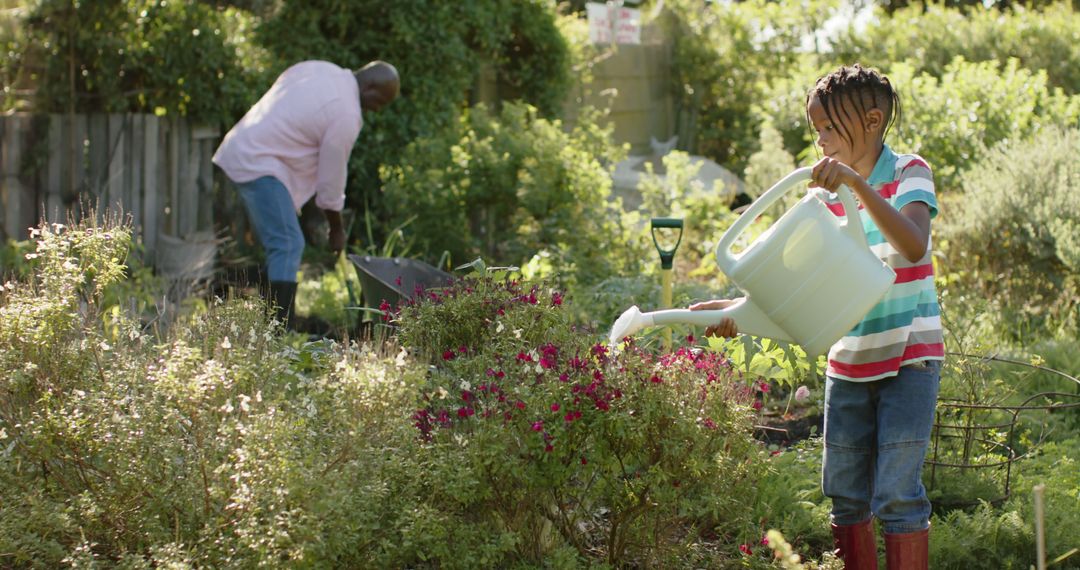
{"x": 398, "y": 281}
{"x": 709, "y": 423}
{"x": 556, "y": 299}
{"x": 802, "y": 394}
{"x": 764, "y": 541}
{"x": 745, "y": 549}
{"x": 763, "y": 387}
{"x": 520, "y": 405}
{"x": 555, "y": 407}
{"x": 757, "y": 404}
{"x": 385, "y": 308}
{"x": 538, "y": 425}
{"x": 564, "y": 377}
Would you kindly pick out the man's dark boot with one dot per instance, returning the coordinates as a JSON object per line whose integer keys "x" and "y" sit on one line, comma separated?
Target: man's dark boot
{"x": 282, "y": 296}
{"x": 856, "y": 545}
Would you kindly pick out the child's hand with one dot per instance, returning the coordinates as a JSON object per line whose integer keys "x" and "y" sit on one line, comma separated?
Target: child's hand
{"x": 830, "y": 173}
{"x": 726, "y": 327}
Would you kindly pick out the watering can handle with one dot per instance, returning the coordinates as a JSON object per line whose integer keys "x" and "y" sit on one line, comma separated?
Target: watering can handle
{"x": 726, "y": 260}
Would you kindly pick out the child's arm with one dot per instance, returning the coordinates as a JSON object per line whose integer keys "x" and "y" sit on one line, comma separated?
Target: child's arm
{"x": 726, "y": 327}
{"x": 907, "y": 229}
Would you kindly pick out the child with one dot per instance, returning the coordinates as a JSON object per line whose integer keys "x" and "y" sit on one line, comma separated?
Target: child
{"x": 882, "y": 379}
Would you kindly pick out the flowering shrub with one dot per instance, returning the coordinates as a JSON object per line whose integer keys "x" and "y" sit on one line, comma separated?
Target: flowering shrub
{"x": 570, "y": 448}
{"x": 218, "y": 446}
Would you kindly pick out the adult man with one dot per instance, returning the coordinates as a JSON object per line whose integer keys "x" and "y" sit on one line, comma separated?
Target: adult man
{"x": 294, "y": 144}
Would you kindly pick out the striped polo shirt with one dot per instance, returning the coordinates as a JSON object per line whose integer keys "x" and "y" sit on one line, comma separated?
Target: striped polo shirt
{"x": 905, "y": 326}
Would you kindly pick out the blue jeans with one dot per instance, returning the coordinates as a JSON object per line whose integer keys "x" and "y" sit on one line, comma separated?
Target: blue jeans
{"x": 876, "y": 437}
{"x": 271, "y": 211}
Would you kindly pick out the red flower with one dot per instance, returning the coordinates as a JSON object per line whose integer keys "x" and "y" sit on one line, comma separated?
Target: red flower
{"x": 757, "y": 404}
{"x": 764, "y": 541}
{"x": 398, "y": 281}
{"x": 465, "y": 412}
{"x": 448, "y": 355}
{"x": 520, "y": 405}
{"x": 555, "y": 407}
{"x": 556, "y": 299}
{"x": 656, "y": 379}
{"x": 583, "y": 460}
{"x": 709, "y": 423}
{"x": 745, "y": 549}
{"x": 538, "y": 425}
{"x": 564, "y": 377}
{"x": 548, "y": 448}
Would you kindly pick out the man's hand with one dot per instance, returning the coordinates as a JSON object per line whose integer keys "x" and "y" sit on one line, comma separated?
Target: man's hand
{"x": 337, "y": 241}
{"x": 337, "y": 232}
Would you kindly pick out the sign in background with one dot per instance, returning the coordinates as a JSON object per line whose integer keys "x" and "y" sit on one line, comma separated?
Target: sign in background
{"x": 609, "y": 23}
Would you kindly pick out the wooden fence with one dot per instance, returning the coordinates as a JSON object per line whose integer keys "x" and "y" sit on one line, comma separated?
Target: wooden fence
{"x": 156, "y": 169}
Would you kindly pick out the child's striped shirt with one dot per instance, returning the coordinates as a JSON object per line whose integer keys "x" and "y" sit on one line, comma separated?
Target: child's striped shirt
{"x": 905, "y": 326}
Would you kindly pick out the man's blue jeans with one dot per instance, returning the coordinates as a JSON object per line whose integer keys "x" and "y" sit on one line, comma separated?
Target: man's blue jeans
{"x": 271, "y": 211}
{"x": 876, "y": 437}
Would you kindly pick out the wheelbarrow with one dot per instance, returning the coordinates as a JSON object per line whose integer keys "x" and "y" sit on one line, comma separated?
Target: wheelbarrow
{"x": 394, "y": 279}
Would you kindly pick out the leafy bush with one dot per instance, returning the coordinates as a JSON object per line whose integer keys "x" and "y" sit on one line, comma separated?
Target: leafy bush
{"x": 1019, "y": 198}
{"x": 948, "y": 119}
{"x": 218, "y": 446}
{"x": 518, "y": 41}
{"x": 567, "y": 449}
{"x": 725, "y": 57}
{"x": 141, "y": 56}
{"x": 930, "y": 36}
{"x": 506, "y": 186}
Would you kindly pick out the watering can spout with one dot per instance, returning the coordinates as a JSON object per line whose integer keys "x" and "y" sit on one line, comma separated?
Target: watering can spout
{"x": 748, "y": 317}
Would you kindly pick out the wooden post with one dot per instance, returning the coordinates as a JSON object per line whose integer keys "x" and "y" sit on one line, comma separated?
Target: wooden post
{"x": 151, "y": 187}
{"x": 1040, "y": 531}
{"x": 116, "y": 162}
{"x": 133, "y": 184}
{"x": 97, "y": 170}
{"x": 55, "y": 210}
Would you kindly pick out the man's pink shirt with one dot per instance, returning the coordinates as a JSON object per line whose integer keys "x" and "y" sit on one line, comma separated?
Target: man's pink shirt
{"x": 301, "y": 132}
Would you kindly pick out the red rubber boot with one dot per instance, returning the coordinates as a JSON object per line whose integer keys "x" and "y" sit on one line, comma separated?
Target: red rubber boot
{"x": 907, "y": 551}
{"x": 855, "y": 545}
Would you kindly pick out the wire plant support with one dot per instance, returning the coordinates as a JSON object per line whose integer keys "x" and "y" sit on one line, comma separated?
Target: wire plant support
{"x": 972, "y": 435}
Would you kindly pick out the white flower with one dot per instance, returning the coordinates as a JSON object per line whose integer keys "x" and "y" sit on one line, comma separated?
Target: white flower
{"x": 226, "y": 344}
{"x": 802, "y": 394}
{"x": 499, "y": 327}
{"x": 228, "y": 407}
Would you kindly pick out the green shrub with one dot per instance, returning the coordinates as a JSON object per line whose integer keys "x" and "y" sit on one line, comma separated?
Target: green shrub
{"x": 1020, "y": 199}
{"x": 931, "y": 35}
{"x": 519, "y": 42}
{"x": 565, "y": 448}
{"x": 725, "y": 57}
{"x": 218, "y": 446}
{"x": 179, "y": 58}
{"x": 507, "y": 186}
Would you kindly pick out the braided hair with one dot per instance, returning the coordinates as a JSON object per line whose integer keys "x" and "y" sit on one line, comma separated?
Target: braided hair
{"x": 864, "y": 89}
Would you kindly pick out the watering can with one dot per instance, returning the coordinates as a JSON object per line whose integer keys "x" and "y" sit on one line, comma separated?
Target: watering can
{"x": 809, "y": 278}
